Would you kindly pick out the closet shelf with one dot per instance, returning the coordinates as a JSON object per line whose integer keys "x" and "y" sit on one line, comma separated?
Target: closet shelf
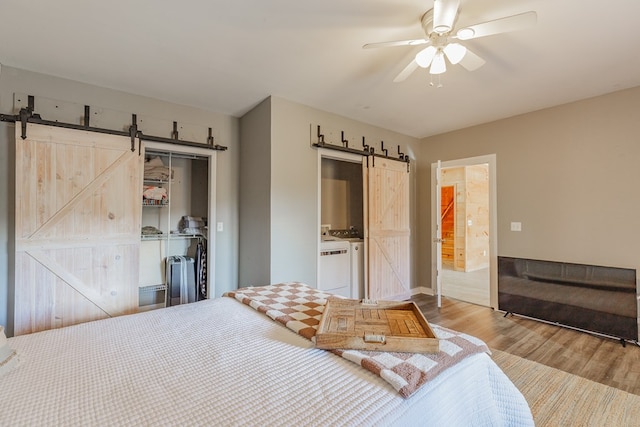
{"x": 155, "y": 181}
{"x": 172, "y": 236}
{"x": 152, "y": 288}
{"x": 155, "y": 203}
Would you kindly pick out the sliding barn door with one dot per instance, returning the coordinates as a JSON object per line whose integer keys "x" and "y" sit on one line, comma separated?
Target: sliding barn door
{"x": 77, "y": 227}
{"x": 388, "y": 244}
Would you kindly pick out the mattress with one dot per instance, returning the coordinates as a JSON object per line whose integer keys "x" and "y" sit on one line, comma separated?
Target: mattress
{"x": 219, "y": 362}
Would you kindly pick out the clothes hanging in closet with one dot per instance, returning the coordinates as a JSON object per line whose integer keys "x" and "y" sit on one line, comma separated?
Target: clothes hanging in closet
{"x": 201, "y": 270}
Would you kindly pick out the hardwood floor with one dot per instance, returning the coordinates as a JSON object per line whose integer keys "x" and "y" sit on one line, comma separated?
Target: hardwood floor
{"x": 596, "y": 358}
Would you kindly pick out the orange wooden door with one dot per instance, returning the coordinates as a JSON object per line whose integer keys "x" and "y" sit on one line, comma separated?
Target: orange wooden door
{"x": 447, "y": 212}
{"x": 388, "y": 232}
{"x": 78, "y": 206}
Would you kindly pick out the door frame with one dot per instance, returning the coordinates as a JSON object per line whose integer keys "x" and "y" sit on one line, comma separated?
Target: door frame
{"x": 489, "y": 159}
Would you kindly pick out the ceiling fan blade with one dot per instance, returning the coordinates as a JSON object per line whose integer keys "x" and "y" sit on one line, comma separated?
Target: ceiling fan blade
{"x": 413, "y": 65}
{"x": 471, "y": 61}
{"x": 497, "y": 26}
{"x": 444, "y": 15}
{"x": 415, "y": 42}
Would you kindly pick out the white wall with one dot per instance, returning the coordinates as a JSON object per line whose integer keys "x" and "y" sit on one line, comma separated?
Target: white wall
{"x": 156, "y": 117}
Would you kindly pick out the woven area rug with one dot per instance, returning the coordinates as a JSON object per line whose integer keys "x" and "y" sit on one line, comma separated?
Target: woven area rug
{"x": 558, "y": 398}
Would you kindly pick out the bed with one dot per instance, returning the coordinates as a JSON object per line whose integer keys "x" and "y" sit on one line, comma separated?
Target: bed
{"x": 222, "y": 362}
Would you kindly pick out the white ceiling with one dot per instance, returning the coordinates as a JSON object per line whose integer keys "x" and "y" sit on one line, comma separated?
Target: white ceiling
{"x": 228, "y": 55}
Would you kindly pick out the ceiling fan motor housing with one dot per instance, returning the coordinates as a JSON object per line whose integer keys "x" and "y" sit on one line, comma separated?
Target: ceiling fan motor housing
{"x": 427, "y": 22}
{"x": 438, "y": 40}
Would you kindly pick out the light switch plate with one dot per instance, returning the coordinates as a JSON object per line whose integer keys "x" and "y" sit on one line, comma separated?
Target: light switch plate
{"x": 219, "y": 226}
{"x": 516, "y": 226}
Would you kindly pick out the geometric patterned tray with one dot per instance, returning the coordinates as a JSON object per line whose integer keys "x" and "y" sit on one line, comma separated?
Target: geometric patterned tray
{"x": 375, "y": 325}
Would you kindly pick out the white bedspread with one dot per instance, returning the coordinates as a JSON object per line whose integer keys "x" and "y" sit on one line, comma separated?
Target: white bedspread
{"x": 219, "y": 362}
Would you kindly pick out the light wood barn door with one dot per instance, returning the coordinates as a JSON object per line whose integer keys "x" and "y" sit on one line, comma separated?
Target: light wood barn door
{"x": 388, "y": 232}
{"x": 78, "y": 206}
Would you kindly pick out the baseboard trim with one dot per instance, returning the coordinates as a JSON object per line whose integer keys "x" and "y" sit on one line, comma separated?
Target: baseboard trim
{"x": 422, "y": 290}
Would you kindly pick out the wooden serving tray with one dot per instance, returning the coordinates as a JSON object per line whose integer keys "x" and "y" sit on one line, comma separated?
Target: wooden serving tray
{"x": 376, "y": 325}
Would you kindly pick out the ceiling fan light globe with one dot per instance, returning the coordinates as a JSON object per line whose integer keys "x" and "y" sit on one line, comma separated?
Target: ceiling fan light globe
{"x": 465, "y": 33}
{"x": 425, "y": 56}
{"x": 455, "y": 52}
{"x": 438, "y": 66}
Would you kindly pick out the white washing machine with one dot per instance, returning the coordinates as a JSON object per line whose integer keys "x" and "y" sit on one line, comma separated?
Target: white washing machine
{"x": 334, "y": 267}
{"x": 357, "y": 269}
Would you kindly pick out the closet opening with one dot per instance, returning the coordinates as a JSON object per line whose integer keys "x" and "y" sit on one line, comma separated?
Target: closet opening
{"x": 381, "y": 247}
{"x": 174, "y": 249}
{"x": 342, "y": 227}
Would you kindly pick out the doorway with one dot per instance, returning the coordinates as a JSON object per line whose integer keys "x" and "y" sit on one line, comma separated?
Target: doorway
{"x": 465, "y": 263}
{"x": 384, "y": 235}
{"x": 341, "y": 224}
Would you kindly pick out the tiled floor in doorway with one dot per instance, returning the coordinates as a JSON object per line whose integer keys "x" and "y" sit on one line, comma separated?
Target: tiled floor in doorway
{"x": 470, "y": 287}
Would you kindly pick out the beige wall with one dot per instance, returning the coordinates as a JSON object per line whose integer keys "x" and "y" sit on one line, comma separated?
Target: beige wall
{"x": 114, "y": 110}
{"x": 569, "y": 174}
{"x": 294, "y": 182}
{"x": 255, "y": 196}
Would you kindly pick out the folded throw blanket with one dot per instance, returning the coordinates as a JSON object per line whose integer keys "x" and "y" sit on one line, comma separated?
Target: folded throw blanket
{"x": 300, "y": 307}
{"x": 155, "y": 169}
{"x": 152, "y": 192}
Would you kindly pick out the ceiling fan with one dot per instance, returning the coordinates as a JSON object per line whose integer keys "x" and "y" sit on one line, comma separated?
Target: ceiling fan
{"x": 442, "y": 38}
